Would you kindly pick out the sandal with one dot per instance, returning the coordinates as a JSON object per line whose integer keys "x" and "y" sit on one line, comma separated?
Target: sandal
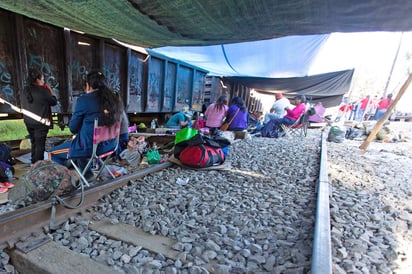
{"x": 6, "y": 185}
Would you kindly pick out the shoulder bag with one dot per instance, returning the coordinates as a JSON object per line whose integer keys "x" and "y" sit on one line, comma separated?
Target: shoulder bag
{"x": 225, "y": 126}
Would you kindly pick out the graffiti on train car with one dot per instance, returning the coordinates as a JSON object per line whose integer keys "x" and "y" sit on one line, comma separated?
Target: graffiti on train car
{"x": 154, "y": 87}
{"x": 136, "y": 69}
{"x": 49, "y": 78}
{"x": 170, "y": 87}
{"x": 184, "y": 86}
{"x": 42, "y": 44}
{"x": 147, "y": 82}
{"x": 112, "y": 75}
{"x": 6, "y": 88}
{"x": 113, "y": 62}
{"x": 79, "y": 72}
{"x": 198, "y": 88}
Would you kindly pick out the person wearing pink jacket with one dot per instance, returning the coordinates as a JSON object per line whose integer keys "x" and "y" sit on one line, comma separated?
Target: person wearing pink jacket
{"x": 293, "y": 114}
{"x": 273, "y": 127}
{"x": 215, "y": 113}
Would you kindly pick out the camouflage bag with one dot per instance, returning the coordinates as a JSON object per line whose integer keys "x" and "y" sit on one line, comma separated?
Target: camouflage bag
{"x": 46, "y": 179}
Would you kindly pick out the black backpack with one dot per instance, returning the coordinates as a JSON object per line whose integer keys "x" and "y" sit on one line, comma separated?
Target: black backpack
{"x": 5, "y": 154}
{"x": 199, "y": 139}
{"x": 270, "y": 130}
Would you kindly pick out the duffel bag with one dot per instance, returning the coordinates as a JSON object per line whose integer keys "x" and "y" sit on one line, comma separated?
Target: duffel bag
{"x": 202, "y": 156}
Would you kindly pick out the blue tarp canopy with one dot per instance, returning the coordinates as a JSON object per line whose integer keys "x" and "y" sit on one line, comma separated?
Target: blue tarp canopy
{"x": 268, "y": 66}
{"x": 282, "y": 57}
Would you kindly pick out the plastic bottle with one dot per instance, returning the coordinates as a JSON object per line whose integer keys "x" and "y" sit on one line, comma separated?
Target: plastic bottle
{"x": 153, "y": 124}
{"x": 9, "y": 173}
{"x": 154, "y": 146}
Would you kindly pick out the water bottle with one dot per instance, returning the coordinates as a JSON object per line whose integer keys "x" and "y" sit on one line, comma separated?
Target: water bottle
{"x": 9, "y": 173}
{"x": 153, "y": 124}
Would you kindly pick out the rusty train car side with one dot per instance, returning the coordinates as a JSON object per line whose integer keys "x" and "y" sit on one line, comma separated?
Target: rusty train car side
{"x": 150, "y": 84}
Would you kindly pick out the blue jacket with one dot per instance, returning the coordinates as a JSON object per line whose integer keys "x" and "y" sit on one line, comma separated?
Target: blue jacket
{"x": 82, "y": 124}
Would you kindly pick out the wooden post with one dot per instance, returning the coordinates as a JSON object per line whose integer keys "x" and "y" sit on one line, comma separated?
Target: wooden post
{"x": 379, "y": 124}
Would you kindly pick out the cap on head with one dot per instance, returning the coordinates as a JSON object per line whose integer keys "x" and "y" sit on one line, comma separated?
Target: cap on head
{"x": 188, "y": 114}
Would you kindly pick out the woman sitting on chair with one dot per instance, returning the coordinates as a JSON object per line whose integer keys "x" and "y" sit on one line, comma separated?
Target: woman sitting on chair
{"x": 271, "y": 129}
{"x": 98, "y": 102}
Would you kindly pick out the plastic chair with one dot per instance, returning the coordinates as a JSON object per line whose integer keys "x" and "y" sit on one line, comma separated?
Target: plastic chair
{"x": 299, "y": 128}
{"x": 97, "y": 162}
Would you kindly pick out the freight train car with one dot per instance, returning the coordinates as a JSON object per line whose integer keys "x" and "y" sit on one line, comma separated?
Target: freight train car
{"x": 150, "y": 84}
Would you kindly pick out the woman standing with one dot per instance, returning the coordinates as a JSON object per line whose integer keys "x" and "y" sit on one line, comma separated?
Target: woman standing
{"x": 38, "y": 99}
{"x": 215, "y": 113}
{"x": 98, "y": 102}
{"x": 237, "y": 115}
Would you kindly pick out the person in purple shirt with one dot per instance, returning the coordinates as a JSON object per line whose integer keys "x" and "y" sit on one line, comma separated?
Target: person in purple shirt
{"x": 237, "y": 114}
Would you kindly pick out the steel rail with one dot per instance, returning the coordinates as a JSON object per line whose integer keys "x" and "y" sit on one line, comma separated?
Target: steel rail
{"x": 33, "y": 219}
{"x": 322, "y": 248}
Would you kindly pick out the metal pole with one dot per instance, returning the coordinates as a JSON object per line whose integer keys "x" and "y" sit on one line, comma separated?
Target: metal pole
{"x": 393, "y": 66}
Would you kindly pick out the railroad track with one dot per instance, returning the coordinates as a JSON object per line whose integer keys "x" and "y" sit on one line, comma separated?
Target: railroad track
{"x": 36, "y": 218}
{"x": 30, "y": 224}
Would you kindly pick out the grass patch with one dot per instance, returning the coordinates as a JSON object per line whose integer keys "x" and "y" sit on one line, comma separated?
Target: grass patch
{"x": 16, "y": 130}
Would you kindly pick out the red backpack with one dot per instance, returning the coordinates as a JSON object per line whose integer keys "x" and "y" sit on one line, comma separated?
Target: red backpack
{"x": 201, "y": 156}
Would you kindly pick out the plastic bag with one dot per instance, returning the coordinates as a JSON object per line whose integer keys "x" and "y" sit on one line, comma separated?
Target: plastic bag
{"x": 116, "y": 170}
{"x": 153, "y": 156}
{"x": 336, "y": 135}
{"x": 185, "y": 134}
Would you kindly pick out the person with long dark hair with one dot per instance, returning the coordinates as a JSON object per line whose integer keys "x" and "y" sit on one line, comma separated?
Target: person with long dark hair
{"x": 98, "y": 102}
{"x": 38, "y": 98}
{"x": 237, "y": 114}
{"x": 215, "y": 113}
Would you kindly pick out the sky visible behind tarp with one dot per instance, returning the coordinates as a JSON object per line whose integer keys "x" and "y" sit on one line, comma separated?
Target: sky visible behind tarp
{"x": 372, "y": 55}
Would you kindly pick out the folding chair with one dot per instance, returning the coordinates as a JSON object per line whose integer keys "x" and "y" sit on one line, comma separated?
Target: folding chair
{"x": 97, "y": 162}
{"x": 298, "y": 128}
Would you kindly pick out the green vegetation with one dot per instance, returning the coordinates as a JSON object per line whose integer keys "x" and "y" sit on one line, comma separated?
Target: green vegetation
{"x": 16, "y": 130}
